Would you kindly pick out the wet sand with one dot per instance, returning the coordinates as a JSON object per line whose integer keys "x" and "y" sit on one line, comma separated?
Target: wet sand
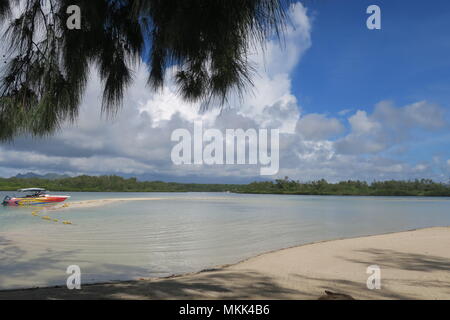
{"x": 103, "y": 202}
{"x": 414, "y": 265}
{"x": 99, "y": 202}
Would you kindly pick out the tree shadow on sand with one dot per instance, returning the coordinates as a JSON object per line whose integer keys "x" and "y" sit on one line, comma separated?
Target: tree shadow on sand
{"x": 404, "y": 261}
{"x": 207, "y": 285}
{"x": 408, "y": 262}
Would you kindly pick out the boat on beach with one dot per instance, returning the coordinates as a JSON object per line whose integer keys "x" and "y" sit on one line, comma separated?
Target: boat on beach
{"x": 33, "y": 196}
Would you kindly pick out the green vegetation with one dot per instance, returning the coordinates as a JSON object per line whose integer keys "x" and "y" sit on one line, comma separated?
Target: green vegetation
{"x": 422, "y": 187}
{"x": 108, "y": 184}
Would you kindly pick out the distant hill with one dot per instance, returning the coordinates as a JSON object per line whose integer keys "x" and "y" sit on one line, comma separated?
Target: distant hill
{"x": 48, "y": 176}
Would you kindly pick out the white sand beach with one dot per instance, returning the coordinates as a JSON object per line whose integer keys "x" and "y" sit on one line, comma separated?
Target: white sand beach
{"x": 98, "y": 202}
{"x": 414, "y": 265}
{"x": 102, "y": 202}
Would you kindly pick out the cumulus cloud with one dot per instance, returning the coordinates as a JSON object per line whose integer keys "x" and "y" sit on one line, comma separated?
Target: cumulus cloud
{"x": 421, "y": 114}
{"x": 389, "y": 126}
{"x": 362, "y": 124}
{"x": 318, "y": 127}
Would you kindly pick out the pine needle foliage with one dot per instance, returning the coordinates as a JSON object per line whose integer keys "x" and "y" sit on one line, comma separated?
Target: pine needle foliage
{"x": 205, "y": 42}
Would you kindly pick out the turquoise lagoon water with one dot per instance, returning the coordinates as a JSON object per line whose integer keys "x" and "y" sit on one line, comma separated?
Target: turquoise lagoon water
{"x": 187, "y": 232}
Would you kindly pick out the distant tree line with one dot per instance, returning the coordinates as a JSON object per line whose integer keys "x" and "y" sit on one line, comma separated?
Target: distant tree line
{"x": 108, "y": 184}
{"x": 423, "y": 187}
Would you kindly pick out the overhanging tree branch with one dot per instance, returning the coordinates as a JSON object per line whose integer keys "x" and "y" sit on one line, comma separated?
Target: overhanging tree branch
{"x": 206, "y": 40}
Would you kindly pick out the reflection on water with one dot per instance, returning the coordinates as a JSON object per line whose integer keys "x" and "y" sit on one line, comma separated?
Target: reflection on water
{"x": 188, "y": 232}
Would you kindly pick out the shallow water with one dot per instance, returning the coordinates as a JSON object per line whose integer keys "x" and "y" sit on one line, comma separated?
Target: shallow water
{"x": 186, "y": 232}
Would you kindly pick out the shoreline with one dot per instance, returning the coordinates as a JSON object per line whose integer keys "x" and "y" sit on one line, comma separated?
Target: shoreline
{"x": 276, "y": 268}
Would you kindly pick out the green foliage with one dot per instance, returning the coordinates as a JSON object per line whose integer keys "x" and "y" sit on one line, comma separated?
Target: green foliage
{"x": 422, "y": 187}
{"x": 110, "y": 184}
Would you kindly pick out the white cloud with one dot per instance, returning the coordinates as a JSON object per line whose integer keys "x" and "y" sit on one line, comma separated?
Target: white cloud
{"x": 344, "y": 112}
{"x": 271, "y": 93}
{"x": 360, "y": 139}
{"x": 315, "y": 126}
{"x": 389, "y": 126}
{"x": 362, "y": 124}
{"x": 421, "y": 114}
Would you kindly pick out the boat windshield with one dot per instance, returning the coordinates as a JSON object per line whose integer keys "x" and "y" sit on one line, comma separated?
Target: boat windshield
{"x": 33, "y": 192}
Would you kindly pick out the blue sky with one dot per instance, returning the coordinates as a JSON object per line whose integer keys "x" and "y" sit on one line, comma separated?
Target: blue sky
{"x": 350, "y": 103}
{"x": 351, "y": 67}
